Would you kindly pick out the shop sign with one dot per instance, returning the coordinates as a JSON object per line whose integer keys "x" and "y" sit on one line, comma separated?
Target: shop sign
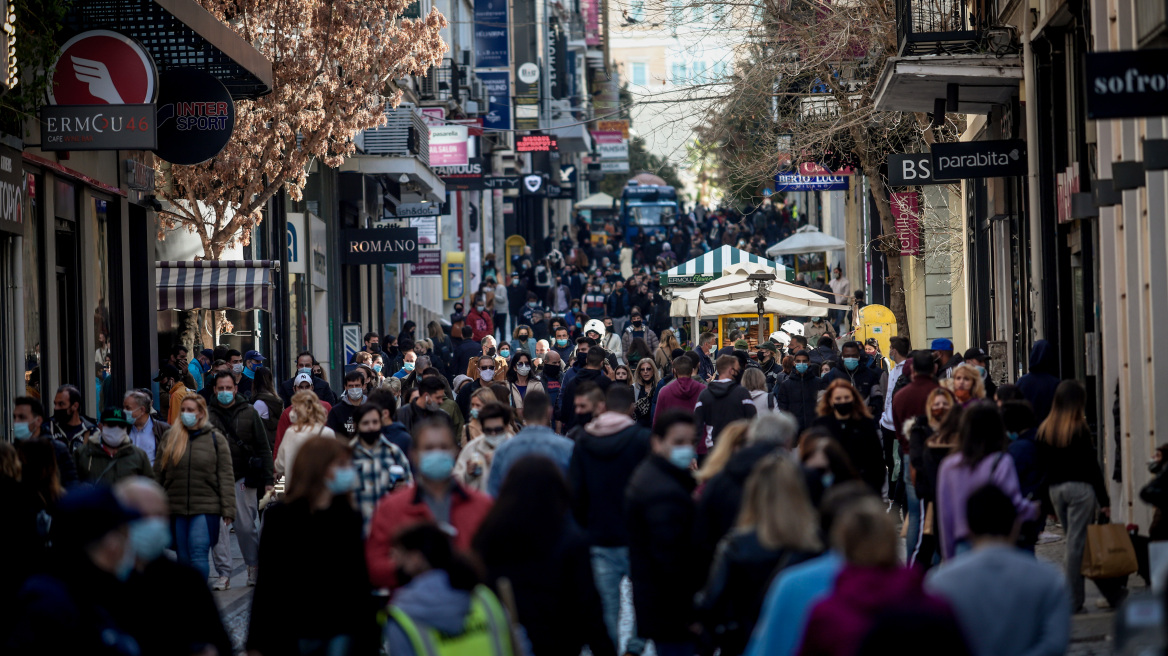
{"x": 528, "y": 73}
{"x": 405, "y": 210}
{"x": 501, "y": 182}
{"x": 11, "y": 190}
{"x": 792, "y": 182}
{"x": 379, "y": 246}
{"x": 491, "y": 39}
{"x": 621, "y": 127}
{"x": 533, "y": 185}
{"x": 610, "y": 150}
{"x": 906, "y": 213}
{"x": 979, "y": 159}
{"x": 448, "y": 145}
{"x": 615, "y": 166}
{"x": 1067, "y": 185}
{"x": 296, "y": 240}
{"x": 912, "y": 169}
{"x": 196, "y": 116}
{"x": 98, "y": 127}
{"x": 462, "y": 178}
{"x": 427, "y": 227}
{"x": 433, "y": 116}
{"x": 536, "y": 143}
{"x": 139, "y": 176}
{"x": 100, "y": 67}
{"x": 1127, "y": 84}
{"x": 429, "y": 264}
{"x": 497, "y": 86}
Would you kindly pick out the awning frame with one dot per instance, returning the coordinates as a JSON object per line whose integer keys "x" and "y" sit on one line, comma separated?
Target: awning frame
{"x": 216, "y": 285}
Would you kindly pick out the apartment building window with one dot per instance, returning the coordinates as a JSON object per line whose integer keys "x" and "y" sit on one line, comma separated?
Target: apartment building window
{"x": 679, "y": 73}
{"x": 676, "y": 11}
{"x": 699, "y": 72}
{"x": 640, "y": 74}
{"x": 637, "y": 11}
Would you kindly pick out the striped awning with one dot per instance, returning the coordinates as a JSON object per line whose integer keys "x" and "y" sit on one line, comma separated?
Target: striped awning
{"x": 710, "y": 266}
{"x": 216, "y": 285}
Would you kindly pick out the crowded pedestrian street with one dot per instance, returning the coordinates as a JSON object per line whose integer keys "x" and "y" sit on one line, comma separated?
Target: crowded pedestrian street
{"x": 594, "y": 328}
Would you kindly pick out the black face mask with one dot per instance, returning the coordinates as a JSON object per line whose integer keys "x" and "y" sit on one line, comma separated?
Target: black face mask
{"x": 369, "y": 437}
{"x": 63, "y": 416}
{"x": 375, "y": 348}
{"x": 585, "y": 418}
{"x": 843, "y": 408}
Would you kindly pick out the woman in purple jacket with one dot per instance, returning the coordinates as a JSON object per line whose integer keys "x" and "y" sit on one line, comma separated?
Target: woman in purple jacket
{"x": 982, "y": 460}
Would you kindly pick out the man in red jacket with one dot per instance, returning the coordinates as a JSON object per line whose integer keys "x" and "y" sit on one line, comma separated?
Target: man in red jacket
{"x": 682, "y": 392}
{"x": 909, "y": 402}
{"x": 435, "y": 497}
{"x": 481, "y": 319}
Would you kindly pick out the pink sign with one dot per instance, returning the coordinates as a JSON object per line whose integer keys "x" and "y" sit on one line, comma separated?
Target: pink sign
{"x": 608, "y": 137}
{"x": 429, "y": 263}
{"x": 906, "y": 211}
{"x": 433, "y": 116}
{"x": 448, "y": 145}
{"x": 591, "y": 11}
{"x": 811, "y": 168}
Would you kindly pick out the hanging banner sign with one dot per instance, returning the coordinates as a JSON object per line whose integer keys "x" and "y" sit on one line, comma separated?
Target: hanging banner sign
{"x": 497, "y": 87}
{"x": 195, "y": 116}
{"x": 11, "y": 190}
{"x": 491, "y": 39}
{"x": 792, "y": 182}
{"x": 1127, "y": 84}
{"x": 912, "y": 169}
{"x": 98, "y": 127}
{"x": 979, "y": 159}
{"x": 100, "y": 67}
{"x": 448, "y": 145}
{"x": 906, "y": 212}
{"x": 429, "y": 264}
{"x": 379, "y": 246}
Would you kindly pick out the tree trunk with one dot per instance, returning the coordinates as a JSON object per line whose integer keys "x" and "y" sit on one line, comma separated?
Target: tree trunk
{"x": 890, "y": 246}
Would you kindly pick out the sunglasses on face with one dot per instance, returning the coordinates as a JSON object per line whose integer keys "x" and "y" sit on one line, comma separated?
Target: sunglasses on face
{"x": 487, "y": 368}
{"x": 497, "y": 430}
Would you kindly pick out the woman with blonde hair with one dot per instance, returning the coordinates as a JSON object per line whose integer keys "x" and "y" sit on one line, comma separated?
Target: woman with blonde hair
{"x": 843, "y": 412}
{"x": 931, "y": 438}
{"x": 730, "y": 441}
{"x": 763, "y": 543}
{"x": 663, "y": 356}
{"x": 644, "y": 380}
{"x": 479, "y": 399}
{"x": 308, "y": 419}
{"x": 194, "y": 466}
{"x": 967, "y": 384}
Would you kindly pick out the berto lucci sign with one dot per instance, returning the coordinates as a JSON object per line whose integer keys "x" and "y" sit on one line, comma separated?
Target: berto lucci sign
{"x": 979, "y": 159}
{"x": 792, "y": 182}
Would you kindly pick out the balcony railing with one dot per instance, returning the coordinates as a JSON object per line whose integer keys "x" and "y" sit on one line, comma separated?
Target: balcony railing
{"x": 403, "y": 135}
{"x": 926, "y": 27}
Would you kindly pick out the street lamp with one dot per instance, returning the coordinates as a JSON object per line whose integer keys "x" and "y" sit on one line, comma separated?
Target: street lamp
{"x": 760, "y": 282}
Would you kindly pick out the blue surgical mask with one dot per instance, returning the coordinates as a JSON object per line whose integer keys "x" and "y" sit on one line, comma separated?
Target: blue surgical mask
{"x": 378, "y": 367}
{"x": 225, "y": 398}
{"x": 189, "y": 419}
{"x": 474, "y": 413}
{"x": 305, "y": 370}
{"x": 681, "y": 456}
{"x": 436, "y": 465}
{"x": 149, "y": 537}
{"x": 248, "y": 372}
{"x": 344, "y": 480}
{"x": 801, "y": 367}
{"x": 851, "y": 363}
{"x": 21, "y": 430}
{"x": 408, "y": 366}
{"x": 981, "y": 370}
{"x": 561, "y": 343}
{"x": 505, "y": 353}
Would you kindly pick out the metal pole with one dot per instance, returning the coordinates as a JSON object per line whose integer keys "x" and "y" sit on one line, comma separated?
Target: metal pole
{"x": 1034, "y": 207}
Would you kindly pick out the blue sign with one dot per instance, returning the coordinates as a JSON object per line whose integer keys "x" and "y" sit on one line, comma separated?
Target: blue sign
{"x": 768, "y": 192}
{"x": 490, "y": 34}
{"x": 498, "y": 87}
{"x": 795, "y": 182}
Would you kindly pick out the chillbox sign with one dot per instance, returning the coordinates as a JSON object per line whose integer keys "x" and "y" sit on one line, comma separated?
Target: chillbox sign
{"x": 98, "y": 127}
{"x": 1127, "y": 84}
{"x": 979, "y": 159}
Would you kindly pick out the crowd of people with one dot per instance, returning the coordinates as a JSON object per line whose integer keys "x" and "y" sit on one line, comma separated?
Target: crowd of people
{"x": 470, "y": 489}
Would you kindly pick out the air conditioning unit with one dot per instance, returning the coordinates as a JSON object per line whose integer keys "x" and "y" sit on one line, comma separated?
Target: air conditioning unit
{"x": 477, "y": 90}
{"x": 428, "y": 85}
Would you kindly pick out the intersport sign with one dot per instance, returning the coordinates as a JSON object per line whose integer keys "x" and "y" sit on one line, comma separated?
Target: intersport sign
{"x": 1127, "y": 84}
{"x": 979, "y": 159}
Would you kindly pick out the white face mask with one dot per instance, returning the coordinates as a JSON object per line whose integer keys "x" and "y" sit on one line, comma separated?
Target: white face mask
{"x": 355, "y": 393}
{"x": 523, "y": 369}
{"x": 112, "y": 435}
{"x": 487, "y": 374}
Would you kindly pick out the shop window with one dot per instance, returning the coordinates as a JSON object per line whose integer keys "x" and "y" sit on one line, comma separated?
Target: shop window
{"x": 100, "y": 362}
{"x": 31, "y": 260}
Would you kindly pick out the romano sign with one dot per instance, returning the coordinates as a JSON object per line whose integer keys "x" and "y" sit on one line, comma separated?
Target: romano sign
{"x": 1127, "y": 84}
{"x": 979, "y": 159}
{"x": 379, "y": 246}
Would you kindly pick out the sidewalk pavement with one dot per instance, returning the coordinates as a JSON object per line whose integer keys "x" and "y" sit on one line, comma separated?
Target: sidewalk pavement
{"x": 235, "y": 603}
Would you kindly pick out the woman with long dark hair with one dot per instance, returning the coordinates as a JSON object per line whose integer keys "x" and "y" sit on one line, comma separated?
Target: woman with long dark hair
{"x": 842, "y": 411}
{"x": 521, "y": 378}
{"x": 312, "y": 595}
{"x": 530, "y": 539}
{"x": 1077, "y": 488}
{"x": 981, "y": 459}
{"x": 644, "y": 383}
{"x": 267, "y": 403}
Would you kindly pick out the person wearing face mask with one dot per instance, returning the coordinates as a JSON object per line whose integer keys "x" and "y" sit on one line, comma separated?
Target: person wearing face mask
{"x": 76, "y": 608}
{"x": 409, "y": 360}
{"x": 170, "y": 383}
{"x": 380, "y": 465}
{"x": 486, "y": 369}
{"x": 473, "y": 467}
{"x": 110, "y": 456}
{"x": 304, "y": 365}
{"x": 235, "y": 362}
{"x": 589, "y": 367}
{"x": 521, "y": 379}
{"x": 707, "y": 347}
{"x": 523, "y": 340}
{"x": 931, "y": 437}
{"x": 799, "y": 393}
{"x": 252, "y": 361}
{"x": 551, "y": 376}
{"x": 328, "y": 612}
{"x": 340, "y": 417}
{"x": 157, "y": 577}
{"x": 841, "y": 410}
{"x": 966, "y": 384}
{"x": 563, "y": 343}
{"x": 435, "y": 497}
{"x": 308, "y": 418}
{"x": 638, "y": 329}
{"x": 979, "y": 360}
{"x": 145, "y": 432}
{"x": 252, "y": 463}
{"x": 851, "y": 368}
{"x": 663, "y": 560}
{"x": 481, "y": 319}
{"x": 426, "y": 406}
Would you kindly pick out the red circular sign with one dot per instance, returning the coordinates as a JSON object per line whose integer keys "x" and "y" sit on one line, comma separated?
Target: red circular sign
{"x": 101, "y": 67}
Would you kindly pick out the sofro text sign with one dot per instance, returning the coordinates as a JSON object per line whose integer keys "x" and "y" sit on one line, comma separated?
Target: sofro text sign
{"x": 1127, "y": 84}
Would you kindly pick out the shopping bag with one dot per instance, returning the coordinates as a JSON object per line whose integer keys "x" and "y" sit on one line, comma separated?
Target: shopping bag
{"x": 1109, "y": 552}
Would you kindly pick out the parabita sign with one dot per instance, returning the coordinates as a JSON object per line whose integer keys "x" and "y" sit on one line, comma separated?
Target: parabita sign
{"x": 379, "y": 246}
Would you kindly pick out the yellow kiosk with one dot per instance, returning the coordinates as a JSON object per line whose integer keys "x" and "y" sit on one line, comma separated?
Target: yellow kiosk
{"x": 876, "y": 321}
{"x": 513, "y": 248}
{"x": 747, "y": 323}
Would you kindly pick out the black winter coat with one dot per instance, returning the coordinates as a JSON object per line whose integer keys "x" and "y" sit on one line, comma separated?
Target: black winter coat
{"x": 662, "y": 559}
{"x": 865, "y": 379}
{"x": 598, "y": 474}
{"x": 798, "y": 395}
{"x": 860, "y": 439}
{"x": 721, "y": 499}
{"x": 718, "y": 405}
{"x": 246, "y": 437}
{"x": 187, "y": 596}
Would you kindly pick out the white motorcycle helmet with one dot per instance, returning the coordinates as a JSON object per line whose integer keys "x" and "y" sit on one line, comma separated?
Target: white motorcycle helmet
{"x": 792, "y": 327}
{"x": 594, "y": 325}
{"x": 781, "y": 338}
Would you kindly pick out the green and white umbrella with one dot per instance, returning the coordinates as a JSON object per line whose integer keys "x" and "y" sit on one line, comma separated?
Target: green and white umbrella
{"x": 712, "y": 265}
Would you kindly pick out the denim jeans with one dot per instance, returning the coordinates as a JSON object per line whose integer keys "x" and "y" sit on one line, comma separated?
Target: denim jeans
{"x": 1074, "y": 504}
{"x": 913, "y": 507}
{"x": 610, "y": 565}
{"x": 193, "y": 537}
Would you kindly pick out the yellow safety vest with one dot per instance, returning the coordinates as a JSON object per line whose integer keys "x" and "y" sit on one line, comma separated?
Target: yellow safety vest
{"x": 485, "y": 632}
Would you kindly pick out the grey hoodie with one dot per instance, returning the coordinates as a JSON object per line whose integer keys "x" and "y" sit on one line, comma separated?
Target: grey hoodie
{"x": 430, "y": 601}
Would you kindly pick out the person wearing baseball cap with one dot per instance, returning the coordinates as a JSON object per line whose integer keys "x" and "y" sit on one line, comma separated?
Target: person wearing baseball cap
{"x": 170, "y": 381}
{"x": 943, "y": 355}
{"x": 768, "y": 361}
{"x": 980, "y": 360}
{"x": 110, "y": 456}
{"x": 199, "y": 366}
{"x": 76, "y": 608}
{"x": 252, "y": 360}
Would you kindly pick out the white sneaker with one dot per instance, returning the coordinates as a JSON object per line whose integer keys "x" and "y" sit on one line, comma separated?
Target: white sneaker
{"x": 1046, "y": 537}
{"x": 252, "y": 573}
{"x": 221, "y": 583}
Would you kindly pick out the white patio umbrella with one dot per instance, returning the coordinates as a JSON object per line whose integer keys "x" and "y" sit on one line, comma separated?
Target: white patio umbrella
{"x": 807, "y": 239}
{"x": 733, "y": 293}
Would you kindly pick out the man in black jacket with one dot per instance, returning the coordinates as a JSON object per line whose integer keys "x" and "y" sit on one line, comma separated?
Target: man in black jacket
{"x": 865, "y": 379}
{"x": 320, "y": 387}
{"x": 660, "y": 514}
{"x": 603, "y": 460}
{"x": 799, "y": 393}
{"x": 592, "y": 371}
{"x": 722, "y": 402}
